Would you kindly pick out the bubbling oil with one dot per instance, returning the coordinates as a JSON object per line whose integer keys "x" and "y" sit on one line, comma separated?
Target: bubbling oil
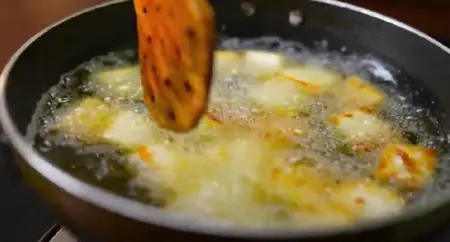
{"x": 105, "y": 165}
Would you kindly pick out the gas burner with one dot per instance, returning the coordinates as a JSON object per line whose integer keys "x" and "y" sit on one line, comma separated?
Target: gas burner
{"x": 58, "y": 234}
{"x": 62, "y": 234}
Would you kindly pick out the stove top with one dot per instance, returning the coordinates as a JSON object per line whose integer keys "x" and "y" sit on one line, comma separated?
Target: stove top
{"x": 24, "y": 216}
{"x": 57, "y": 234}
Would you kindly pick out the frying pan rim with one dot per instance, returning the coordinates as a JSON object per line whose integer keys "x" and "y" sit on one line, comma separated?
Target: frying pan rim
{"x": 152, "y": 215}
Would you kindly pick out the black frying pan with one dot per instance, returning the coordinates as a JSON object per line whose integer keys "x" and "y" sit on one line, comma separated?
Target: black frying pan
{"x": 94, "y": 212}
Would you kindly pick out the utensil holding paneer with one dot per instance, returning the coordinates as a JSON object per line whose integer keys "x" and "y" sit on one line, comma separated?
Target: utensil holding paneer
{"x": 176, "y": 42}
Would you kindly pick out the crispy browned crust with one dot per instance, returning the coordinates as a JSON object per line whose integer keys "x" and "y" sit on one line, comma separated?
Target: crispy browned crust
{"x": 176, "y": 43}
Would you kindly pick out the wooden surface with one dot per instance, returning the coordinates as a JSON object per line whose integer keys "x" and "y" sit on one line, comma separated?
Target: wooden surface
{"x": 430, "y": 16}
{"x": 20, "y": 19}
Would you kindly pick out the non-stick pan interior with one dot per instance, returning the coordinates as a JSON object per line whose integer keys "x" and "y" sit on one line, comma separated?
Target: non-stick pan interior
{"x": 420, "y": 65}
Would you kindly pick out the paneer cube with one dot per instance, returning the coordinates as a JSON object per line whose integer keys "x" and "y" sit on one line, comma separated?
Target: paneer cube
{"x": 206, "y": 162}
{"x": 209, "y": 120}
{"x": 158, "y": 161}
{"x": 91, "y": 119}
{"x": 312, "y": 80}
{"x": 361, "y": 127}
{"x": 87, "y": 118}
{"x": 225, "y": 63}
{"x": 208, "y": 127}
{"x": 366, "y": 199}
{"x": 355, "y": 92}
{"x": 217, "y": 175}
{"x": 300, "y": 185}
{"x": 282, "y": 96}
{"x": 117, "y": 83}
{"x": 262, "y": 64}
{"x": 130, "y": 129}
{"x": 409, "y": 166}
{"x": 281, "y": 131}
{"x": 219, "y": 181}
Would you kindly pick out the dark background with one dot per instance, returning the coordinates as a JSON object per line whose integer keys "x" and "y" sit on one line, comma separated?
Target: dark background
{"x": 23, "y": 217}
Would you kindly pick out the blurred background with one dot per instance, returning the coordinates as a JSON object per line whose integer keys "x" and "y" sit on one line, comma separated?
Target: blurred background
{"x": 23, "y": 217}
{"x": 20, "y": 19}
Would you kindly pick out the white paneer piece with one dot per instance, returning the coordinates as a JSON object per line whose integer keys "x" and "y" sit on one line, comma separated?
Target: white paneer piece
{"x": 366, "y": 199}
{"x": 209, "y": 121}
{"x": 300, "y": 185}
{"x": 357, "y": 93}
{"x": 409, "y": 166}
{"x": 279, "y": 95}
{"x": 361, "y": 126}
{"x": 226, "y": 63}
{"x": 187, "y": 171}
{"x": 161, "y": 160}
{"x": 118, "y": 83}
{"x": 313, "y": 79}
{"x": 262, "y": 64}
{"x": 87, "y": 118}
{"x": 219, "y": 179}
{"x": 208, "y": 128}
{"x": 130, "y": 129}
{"x": 92, "y": 119}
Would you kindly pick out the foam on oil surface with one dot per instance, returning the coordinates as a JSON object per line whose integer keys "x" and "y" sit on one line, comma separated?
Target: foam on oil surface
{"x": 420, "y": 126}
